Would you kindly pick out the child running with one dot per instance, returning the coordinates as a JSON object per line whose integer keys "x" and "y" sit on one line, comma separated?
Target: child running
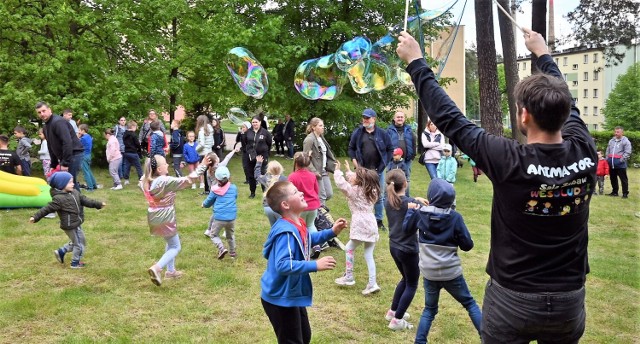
{"x": 160, "y": 191}
{"x": 275, "y": 173}
{"x": 403, "y": 247}
{"x": 223, "y": 198}
{"x": 441, "y": 230}
{"x": 114, "y": 157}
{"x": 362, "y": 192}
{"x": 209, "y": 171}
{"x": 286, "y": 284}
{"x": 305, "y": 181}
{"x": 190, "y": 155}
{"x": 69, "y": 203}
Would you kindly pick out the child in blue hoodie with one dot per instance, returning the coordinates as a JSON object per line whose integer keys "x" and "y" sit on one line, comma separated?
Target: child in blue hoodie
{"x": 223, "y": 197}
{"x": 441, "y": 230}
{"x": 286, "y": 284}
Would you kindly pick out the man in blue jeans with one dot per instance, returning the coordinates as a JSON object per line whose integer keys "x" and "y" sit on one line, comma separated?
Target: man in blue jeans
{"x": 538, "y": 259}
{"x": 370, "y": 147}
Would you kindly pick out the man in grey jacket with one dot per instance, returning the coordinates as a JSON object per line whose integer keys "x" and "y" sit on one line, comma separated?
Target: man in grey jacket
{"x": 618, "y": 153}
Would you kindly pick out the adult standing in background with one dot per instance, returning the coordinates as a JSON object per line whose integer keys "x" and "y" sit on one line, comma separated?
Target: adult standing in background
{"x": 618, "y": 153}
{"x": 204, "y": 143}
{"x": 403, "y": 137}
{"x": 119, "y": 130}
{"x": 370, "y": 147}
{"x": 256, "y": 141}
{"x": 219, "y": 140}
{"x": 322, "y": 159}
{"x": 245, "y": 157}
{"x": 289, "y": 133}
{"x": 432, "y": 141}
{"x": 145, "y": 130}
{"x": 65, "y": 148}
{"x": 67, "y": 114}
{"x": 278, "y": 137}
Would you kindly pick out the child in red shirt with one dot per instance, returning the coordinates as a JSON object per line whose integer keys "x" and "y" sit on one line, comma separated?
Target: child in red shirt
{"x": 601, "y": 172}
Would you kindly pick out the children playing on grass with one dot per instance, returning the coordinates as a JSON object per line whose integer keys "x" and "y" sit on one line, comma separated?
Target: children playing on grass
{"x": 69, "y": 203}
{"x": 24, "y": 145}
{"x": 132, "y": 152}
{"x": 441, "y": 230}
{"x": 43, "y": 153}
{"x": 275, "y": 173}
{"x": 160, "y": 191}
{"x": 190, "y": 155}
{"x": 286, "y": 284}
{"x": 87, "y": 145}
{"x": 305, "y": 181}
{"x": 222, "y": 197}
{"x": 362, "y": 192}
{"x": 114, "y": 157}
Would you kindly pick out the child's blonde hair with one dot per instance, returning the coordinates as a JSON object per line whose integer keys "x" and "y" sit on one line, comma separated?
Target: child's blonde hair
{"x": 151, "y": 170}
{"x": 275, "y": 170}
{"x": 369, "y": 182}
{"x": 396, "y": 181}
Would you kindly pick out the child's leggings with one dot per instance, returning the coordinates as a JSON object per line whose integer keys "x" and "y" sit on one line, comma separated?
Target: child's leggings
{"x": 170, "y": 252}
{"x": 368, "y": 257}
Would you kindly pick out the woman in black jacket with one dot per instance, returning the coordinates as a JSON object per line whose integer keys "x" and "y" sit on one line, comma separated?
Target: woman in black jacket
{"x": 256, "y": 141}
{"x": 218, "y": 139}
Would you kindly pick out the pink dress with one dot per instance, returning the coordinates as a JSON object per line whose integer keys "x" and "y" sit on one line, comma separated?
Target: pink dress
{"x": 161, "y": 197}
{"x": 363, "y": 221}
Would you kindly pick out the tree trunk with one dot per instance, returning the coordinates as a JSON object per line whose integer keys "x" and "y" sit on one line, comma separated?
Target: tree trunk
{"x": 491, "y": 119}
{"x": 538, "y": 24}
{"x": 510, "y": 66}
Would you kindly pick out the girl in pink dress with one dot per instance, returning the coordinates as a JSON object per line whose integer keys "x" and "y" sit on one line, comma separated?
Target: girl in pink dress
{"x": 362, "y": 192}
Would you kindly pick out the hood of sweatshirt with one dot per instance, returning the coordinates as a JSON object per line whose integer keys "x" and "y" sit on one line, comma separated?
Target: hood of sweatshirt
{"x": 441, "y": 193}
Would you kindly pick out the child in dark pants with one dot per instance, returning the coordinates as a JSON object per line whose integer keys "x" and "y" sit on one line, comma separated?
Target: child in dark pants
{"x": 286, "y": 284}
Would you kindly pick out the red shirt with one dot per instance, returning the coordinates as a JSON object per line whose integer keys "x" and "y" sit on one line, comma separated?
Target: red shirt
{"x": 302, "y": 228}
{"x": 305, "y": 181}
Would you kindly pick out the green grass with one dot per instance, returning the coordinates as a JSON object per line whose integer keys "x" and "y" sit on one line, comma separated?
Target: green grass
{"x": 113, "y": 301}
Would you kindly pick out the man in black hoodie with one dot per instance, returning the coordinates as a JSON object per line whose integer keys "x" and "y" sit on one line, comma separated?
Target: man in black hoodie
{"x": 541, "y": 194}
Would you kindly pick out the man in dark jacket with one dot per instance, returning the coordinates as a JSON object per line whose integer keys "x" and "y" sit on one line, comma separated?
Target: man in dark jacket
{"x": 289, "y": 132}
{"x": 370, "y": 147}
{"x": 278, "y": 137}
{"x": 404, "y": 138}
{"x": 538, "y": 259}
{"x": 64, "y": 146}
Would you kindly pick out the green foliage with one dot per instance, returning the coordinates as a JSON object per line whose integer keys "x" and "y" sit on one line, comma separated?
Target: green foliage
{"x": 623, "y": 105}
{"x": 472, "y": 88}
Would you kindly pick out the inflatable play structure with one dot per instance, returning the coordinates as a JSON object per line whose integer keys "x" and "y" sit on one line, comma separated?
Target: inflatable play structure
{"x": 23, "y": 192}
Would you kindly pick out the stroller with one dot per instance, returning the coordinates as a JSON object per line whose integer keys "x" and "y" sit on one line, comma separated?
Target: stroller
{"x": 324, "y": 220}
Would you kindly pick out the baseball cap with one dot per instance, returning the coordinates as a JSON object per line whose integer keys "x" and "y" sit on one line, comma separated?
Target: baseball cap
{"x": 446, "y": 147}
{"x": 222, "y": 172}
{"x": 397, "y": 151}
{"x": 368, "y": 113}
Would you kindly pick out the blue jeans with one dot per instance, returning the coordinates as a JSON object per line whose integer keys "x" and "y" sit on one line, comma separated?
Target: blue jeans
{"x": 379, "y": 206}
{"x": 408, "y": 164}
{"x": 26, "y": 166}
{"x": 457, "y": 287}
{"x": 515, "y": 317}
{"x": 88, "y": 175}
{"x": 290, "y": 148}
{"x": 74, "y": 167}
{"x": 129, "y": 159}
{"x": 432, "y": 169}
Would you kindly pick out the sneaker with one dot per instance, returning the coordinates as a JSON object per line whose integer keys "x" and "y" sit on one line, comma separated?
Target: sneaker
{"x": 202, "y": 185}
{"x": 59, "y": 253}
{"x": 126, "y": 182}
{"x": 614, "y": 194}
{"x": 173, "y": 274}
{"x": 50, "y": 216}
{"x": 82, "y": 186}
{"x": 345, "y": 280}
{"x": 78, "y": 265}
{"x": 117, "y": 187}
{"x": 391, "y": 314}
{"x": 207, "y": 233}
{"x": 252, "y": 195}
{"x": 98, "y": 186}
{"x": 222, "y": 253}
{"x": 155, "y": 276}
{"x": 233, "y": 255}
{"x": 193, "y": 186}
{"x": 371, "y": 289}
{"x": 399, "y": 325}
{"x": 316, "y": 252}
{"x": 625, "y": 195}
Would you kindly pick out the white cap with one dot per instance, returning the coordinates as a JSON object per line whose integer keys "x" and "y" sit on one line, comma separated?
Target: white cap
{"x": 446, "y": 147}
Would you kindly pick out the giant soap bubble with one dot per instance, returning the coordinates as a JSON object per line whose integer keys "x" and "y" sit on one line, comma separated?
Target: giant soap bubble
{"x": 237, "y": 115}
{"x": 352, "y": 52}
{"x": 247, "y": 72}
{"x": 319, "y": 78}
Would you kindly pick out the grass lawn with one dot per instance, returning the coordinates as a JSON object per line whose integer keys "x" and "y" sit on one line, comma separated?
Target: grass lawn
{"x": 218, "y": 301}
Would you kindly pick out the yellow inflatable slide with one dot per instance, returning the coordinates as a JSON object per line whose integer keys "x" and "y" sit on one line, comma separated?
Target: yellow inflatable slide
{"x": 23, "y": 192}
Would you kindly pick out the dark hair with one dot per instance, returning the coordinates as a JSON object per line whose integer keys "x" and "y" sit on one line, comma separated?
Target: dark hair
{"x": 276, "y": 195}
{"x": 546, "y": 98}
{"x": 109, "y": 131}
{"x": 154, "y": 125}
{"x": 369, "y": 181}
{"x": 66, "y": 111}
{"x": 301, "y": 160}
{"x": 83, "y": 127}
{"x": 20, "y": 129}
{"x": 4, "y": 139}
{"x": 396, "y": 181}
{"x": 41, "y": 104}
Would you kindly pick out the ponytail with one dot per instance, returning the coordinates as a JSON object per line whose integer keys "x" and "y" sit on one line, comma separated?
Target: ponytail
{"x": 396, "y": 181}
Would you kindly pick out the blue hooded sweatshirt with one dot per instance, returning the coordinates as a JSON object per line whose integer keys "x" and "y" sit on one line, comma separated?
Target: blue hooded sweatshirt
{"x": 286, "y": 281}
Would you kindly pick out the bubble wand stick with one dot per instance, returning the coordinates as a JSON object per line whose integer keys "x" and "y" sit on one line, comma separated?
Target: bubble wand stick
{"x": 509, "y": 16}
{"x": 406, "y": 14}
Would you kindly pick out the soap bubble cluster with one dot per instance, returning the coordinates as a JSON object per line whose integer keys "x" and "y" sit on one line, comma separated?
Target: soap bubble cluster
{"x": 247, "y": 72}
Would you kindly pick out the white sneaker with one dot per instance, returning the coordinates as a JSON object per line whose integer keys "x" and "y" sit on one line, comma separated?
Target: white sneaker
{"x": 391, "y": 314}
{"x": 126, "y": 182}
{"x": 118, "y": 187}
{"x": 399, "y": 325}
{"x": 344, "y": 280}
{"x": 207, "y": 233}
{"x": 50, "y": 216}
{"x": 193, "y": 186}
{"x": 371, "y": 289}
{"x": 202, "y": 185}
{"x": 98, "y": 186}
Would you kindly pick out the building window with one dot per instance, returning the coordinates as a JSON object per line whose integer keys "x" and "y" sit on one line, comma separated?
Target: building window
{"x": 564, "y": 76}
{"x": 585, "y": 58}
{"x": 595, "y": 111}
{"x": 586, "y": 76}
{"x": 585, "y": 93}
{"x": 557, "y": 61}
{"x": 595, "y": 75}
{"x": 524, "y": 66}
{"x": 595, "y": 93}
{"x": 575, "y": 83}
{"x": 595, "y": 57}
{"x": 595, "y": 127}
{"x": 575, "y": 66}
{"x": 585, "y": 110}
{"x": 564, "y": 61}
